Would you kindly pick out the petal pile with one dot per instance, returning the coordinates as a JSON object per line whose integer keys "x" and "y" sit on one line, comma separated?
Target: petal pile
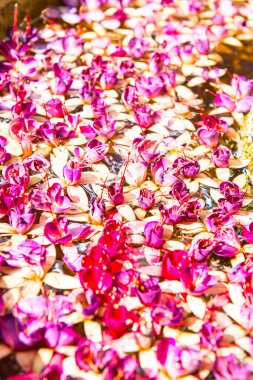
{"x": 126, "y": 226}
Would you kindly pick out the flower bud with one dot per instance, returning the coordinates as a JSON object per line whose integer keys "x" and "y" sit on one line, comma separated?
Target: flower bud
{"x": 208, "y": 137}
{"x": 220, "y": 157}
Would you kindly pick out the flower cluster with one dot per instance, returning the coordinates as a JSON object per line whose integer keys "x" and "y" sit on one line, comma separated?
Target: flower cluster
{"x": 126, "y": 226}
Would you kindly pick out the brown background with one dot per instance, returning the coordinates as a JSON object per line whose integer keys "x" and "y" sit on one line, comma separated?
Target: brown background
{"x": 31, "y": 7}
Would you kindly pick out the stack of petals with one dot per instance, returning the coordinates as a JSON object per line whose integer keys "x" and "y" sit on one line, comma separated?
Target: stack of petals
{"x": 126, "y": 222}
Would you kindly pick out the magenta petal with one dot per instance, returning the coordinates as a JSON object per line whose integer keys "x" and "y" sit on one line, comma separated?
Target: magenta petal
{"x": 57, "y": 231}
{"x": 247, "y": 233}
{"x": 79, "y": 231}
{"x": 223, "y": 100}
{"x": 245, "y": 104}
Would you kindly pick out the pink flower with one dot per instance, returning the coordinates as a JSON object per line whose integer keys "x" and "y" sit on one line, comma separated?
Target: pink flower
{"x": 38, "y": 164}
{"x": 28, "y": 252}
{"x": 32, "y": 314}
{"x": 167, "y": 315}
{"x": 231, "y": 204}
{"x": 126, "y": 366}
{"x": 59, "y": 335}
{"x": 137, "y": 47}
{"x": 240, "y": 101}
{"x": 149, "y": 292}
{"x": 104, "y": 126}
{"x": 63, "y": 79}
{"x": 97, "y": 209}
{"x": 53, "y": 200}
{"x": 127, "y": 68}
{"x": 10, "y": 330}
{"x": 229, "y": 238}
{"x": 115, "y": 193}
{"x": 130, "y": 98}
{"x": 229, "y": 368}
{"x": 108, "y": 79}
{"x": 225, "y": 250}
{"x": 217, "y": 219}
{"x": 54, "y": 107}
{"x": 113, "y": 239}
{"x": 146, "y": 199}
{"x": 247, "y": 233}
{"x": 210, "y": 336}
{"x": 72, "y": 172}
{"x": 95, "y": 279}
{"x": 125, "y": 280}
{"x": 149, "y": 86}
{"x": 212, "y": 122}
{"x": 171, "y": 215}
{"x": 209, "y": 138}
{"x": 169, "y": 79}
{"x": 158, "y": 61}
{"x": 223, "y": 100}
{"x": 145, "y": 150}
{"x": 86, "y": 354}
{"x": 201, "y": 249}
{"x": 144, "y": 116}
{"x": 118, "y": 319}
{"x": 178, "y": 361}
{"x": 159, "y": 173}
{"x": 95, "y": 151}
{"x": 54, "y": 370}
{"x": 173, "y": 262}
{"x": 220, "y": 157}
{"x": 60, "y": 232}
{"x": 196, "y": 279}
{"x": 246, "y": 315}
{"x": 242, "y": 86}
{"x": 91, "y": 303}
{"x": 16, "y": 174}
{"x": 153, "y": 232}
{"x": 99, "y": 107}
{"x": 22, "y": 219}
{"x": 179, "y": 191}
{"x": 4, "y": 156}
{"x": 72, "y": 45}
{"x": 230, "y": 188}
{"x": 187, "y": 168}
{"x": 191, "y": 209}
{"x": 88, "y": 131}
{"x": 202, "y": 46}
